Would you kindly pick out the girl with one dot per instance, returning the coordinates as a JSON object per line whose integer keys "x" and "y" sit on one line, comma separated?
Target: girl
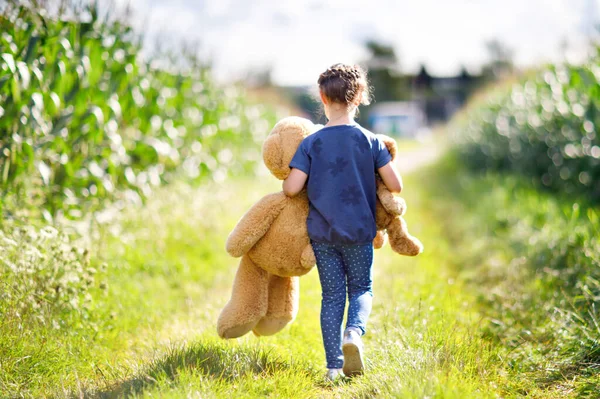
{"x": 338, "y": 165}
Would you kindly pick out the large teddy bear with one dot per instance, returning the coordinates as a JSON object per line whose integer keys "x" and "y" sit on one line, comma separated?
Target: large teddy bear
{"x": 272, "y": 240}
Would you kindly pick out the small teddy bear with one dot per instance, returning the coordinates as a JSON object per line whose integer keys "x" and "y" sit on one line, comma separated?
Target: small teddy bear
{"x": 272, "y": 240}
{"x": 388, "y": 215}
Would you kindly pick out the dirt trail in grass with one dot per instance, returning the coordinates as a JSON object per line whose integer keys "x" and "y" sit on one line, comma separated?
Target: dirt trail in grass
{"x": 412, "y": 159}
{"x": 426, "y": 337}
{"x": 421, "y": 340}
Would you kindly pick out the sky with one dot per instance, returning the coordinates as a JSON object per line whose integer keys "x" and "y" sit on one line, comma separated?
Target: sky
{"x": 300, "y": 39}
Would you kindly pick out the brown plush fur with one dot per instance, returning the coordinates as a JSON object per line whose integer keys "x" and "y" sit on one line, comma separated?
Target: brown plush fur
{"x": 273, "y": 242}
{"x": 388, "y": 215}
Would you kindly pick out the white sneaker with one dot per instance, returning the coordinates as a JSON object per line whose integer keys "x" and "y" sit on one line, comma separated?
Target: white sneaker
{"x": 333, "y": 374}
{"x": 353, "y": 357}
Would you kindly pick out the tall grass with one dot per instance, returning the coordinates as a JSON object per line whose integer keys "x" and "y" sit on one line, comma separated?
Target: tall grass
{"x": 534, "y": 260}
{"x": 147, "y": 265}
{"x": 541, "y": 250}
{"x": 88, "y": 126}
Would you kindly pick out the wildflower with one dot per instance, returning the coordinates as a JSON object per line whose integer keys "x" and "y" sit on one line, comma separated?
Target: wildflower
{"x": 9, "y": 241}
{"x": 49, "y": 232}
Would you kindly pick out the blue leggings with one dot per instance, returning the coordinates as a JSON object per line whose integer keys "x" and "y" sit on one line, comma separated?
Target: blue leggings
{"x": 342, "y": 266}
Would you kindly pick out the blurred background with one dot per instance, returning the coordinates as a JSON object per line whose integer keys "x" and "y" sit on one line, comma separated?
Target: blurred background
{"x": 130, "y": 144}
{"x": 173, "y": 87}
{"x": 424, "y": 59}
{"x": 101, "y": 95}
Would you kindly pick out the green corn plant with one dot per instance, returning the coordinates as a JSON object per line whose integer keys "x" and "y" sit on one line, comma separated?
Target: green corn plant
{"x": 83, "y": 117}
{"x": 546, "y": 127}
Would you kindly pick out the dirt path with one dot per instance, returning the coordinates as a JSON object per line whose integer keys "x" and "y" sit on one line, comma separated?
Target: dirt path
{"x": 410, "y": 160}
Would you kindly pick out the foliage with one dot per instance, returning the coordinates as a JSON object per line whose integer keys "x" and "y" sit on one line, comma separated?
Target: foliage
{"x": 384, "y": 72}
{"x": 500, "y": 60}
{"x": 44, "y": 278}
{"x": 169, "y": 277}
{"x": 545, "y": 127}
{"x": 539, "y": 252}
{"x": 534, "y": 261}
{"x": 85, "y": 120}
{"x": 83, "y": 116}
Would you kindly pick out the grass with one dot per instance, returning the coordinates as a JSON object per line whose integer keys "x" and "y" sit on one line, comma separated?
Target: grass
{"x": 426, "y": 319}
{"x": 532, "y": 258}
{"x": 447, "y": 324}
{"x": 160, "y": 262}
{"x": 168, "y": 278}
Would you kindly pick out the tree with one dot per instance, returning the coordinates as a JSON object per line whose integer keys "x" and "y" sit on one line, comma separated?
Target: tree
{"x": 500, "y": 62}
{"x": 384, "y": 72}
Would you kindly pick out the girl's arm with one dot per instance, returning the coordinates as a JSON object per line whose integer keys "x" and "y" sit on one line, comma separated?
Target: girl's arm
{"x": 294, "y": 182}
{"x": 391, "y": 178}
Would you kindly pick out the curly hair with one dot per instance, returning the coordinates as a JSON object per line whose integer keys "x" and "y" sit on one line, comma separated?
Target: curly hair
{"x": 345, "y": 84}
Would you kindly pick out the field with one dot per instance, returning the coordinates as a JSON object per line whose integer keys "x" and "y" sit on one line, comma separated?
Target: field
{"x": 431, "y": 332}
{"x": 168, "y": 277}
{"x": 121, "y": 178}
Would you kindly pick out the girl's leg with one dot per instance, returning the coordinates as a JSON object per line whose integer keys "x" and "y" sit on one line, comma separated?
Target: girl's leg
{"x": 333, "y": 284}
{"x": 358, "y": 260}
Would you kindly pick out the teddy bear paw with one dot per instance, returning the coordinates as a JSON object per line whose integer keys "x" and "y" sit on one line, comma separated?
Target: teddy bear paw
{"x": 409, "y": 246}
{"x": 397, "y": 206}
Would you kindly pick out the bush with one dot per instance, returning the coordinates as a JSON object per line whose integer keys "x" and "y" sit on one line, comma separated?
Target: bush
{"x": 83, "y": 116}
{"x": 84, "y": 119}
{"x": 544, "y": 127}
{"x": 534, "y": 261}
{"x": 45, "y": 279}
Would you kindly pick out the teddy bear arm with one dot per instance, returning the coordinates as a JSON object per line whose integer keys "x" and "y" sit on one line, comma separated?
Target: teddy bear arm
{"x": 392, "y": 204}
{"x": 390, "y": 143}
{"x": 254, "y": 224}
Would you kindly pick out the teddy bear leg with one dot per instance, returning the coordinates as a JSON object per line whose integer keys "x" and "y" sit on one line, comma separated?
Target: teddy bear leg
{"x": 248, "y": 303}
{"x": 284, "y": 294}
{"x": 401, "y": 241}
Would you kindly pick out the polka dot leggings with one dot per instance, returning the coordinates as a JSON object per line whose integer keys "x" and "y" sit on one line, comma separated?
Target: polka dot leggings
{"x": 343, "y": 266}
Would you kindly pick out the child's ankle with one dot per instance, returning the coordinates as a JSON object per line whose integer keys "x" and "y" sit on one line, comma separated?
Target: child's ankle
{"x": 355, "y": 329}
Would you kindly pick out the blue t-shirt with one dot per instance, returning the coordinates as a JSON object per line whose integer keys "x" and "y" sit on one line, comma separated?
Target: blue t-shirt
{"x": 341, "y": 162}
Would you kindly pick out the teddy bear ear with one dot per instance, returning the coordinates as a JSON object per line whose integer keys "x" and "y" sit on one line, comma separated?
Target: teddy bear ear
{"x": 283, "y": 141}
{"x": 273, "y": 156}
{"x": 390, "y": 143}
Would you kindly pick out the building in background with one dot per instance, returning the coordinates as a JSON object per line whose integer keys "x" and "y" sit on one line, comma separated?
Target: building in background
{"x": 398, "y": 118}
{"x": 405, "y": 105}
{"x": 431, "y": 100}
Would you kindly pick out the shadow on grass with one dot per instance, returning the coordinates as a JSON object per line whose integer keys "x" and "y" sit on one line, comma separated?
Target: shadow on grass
{"x": 212, "y": 359}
